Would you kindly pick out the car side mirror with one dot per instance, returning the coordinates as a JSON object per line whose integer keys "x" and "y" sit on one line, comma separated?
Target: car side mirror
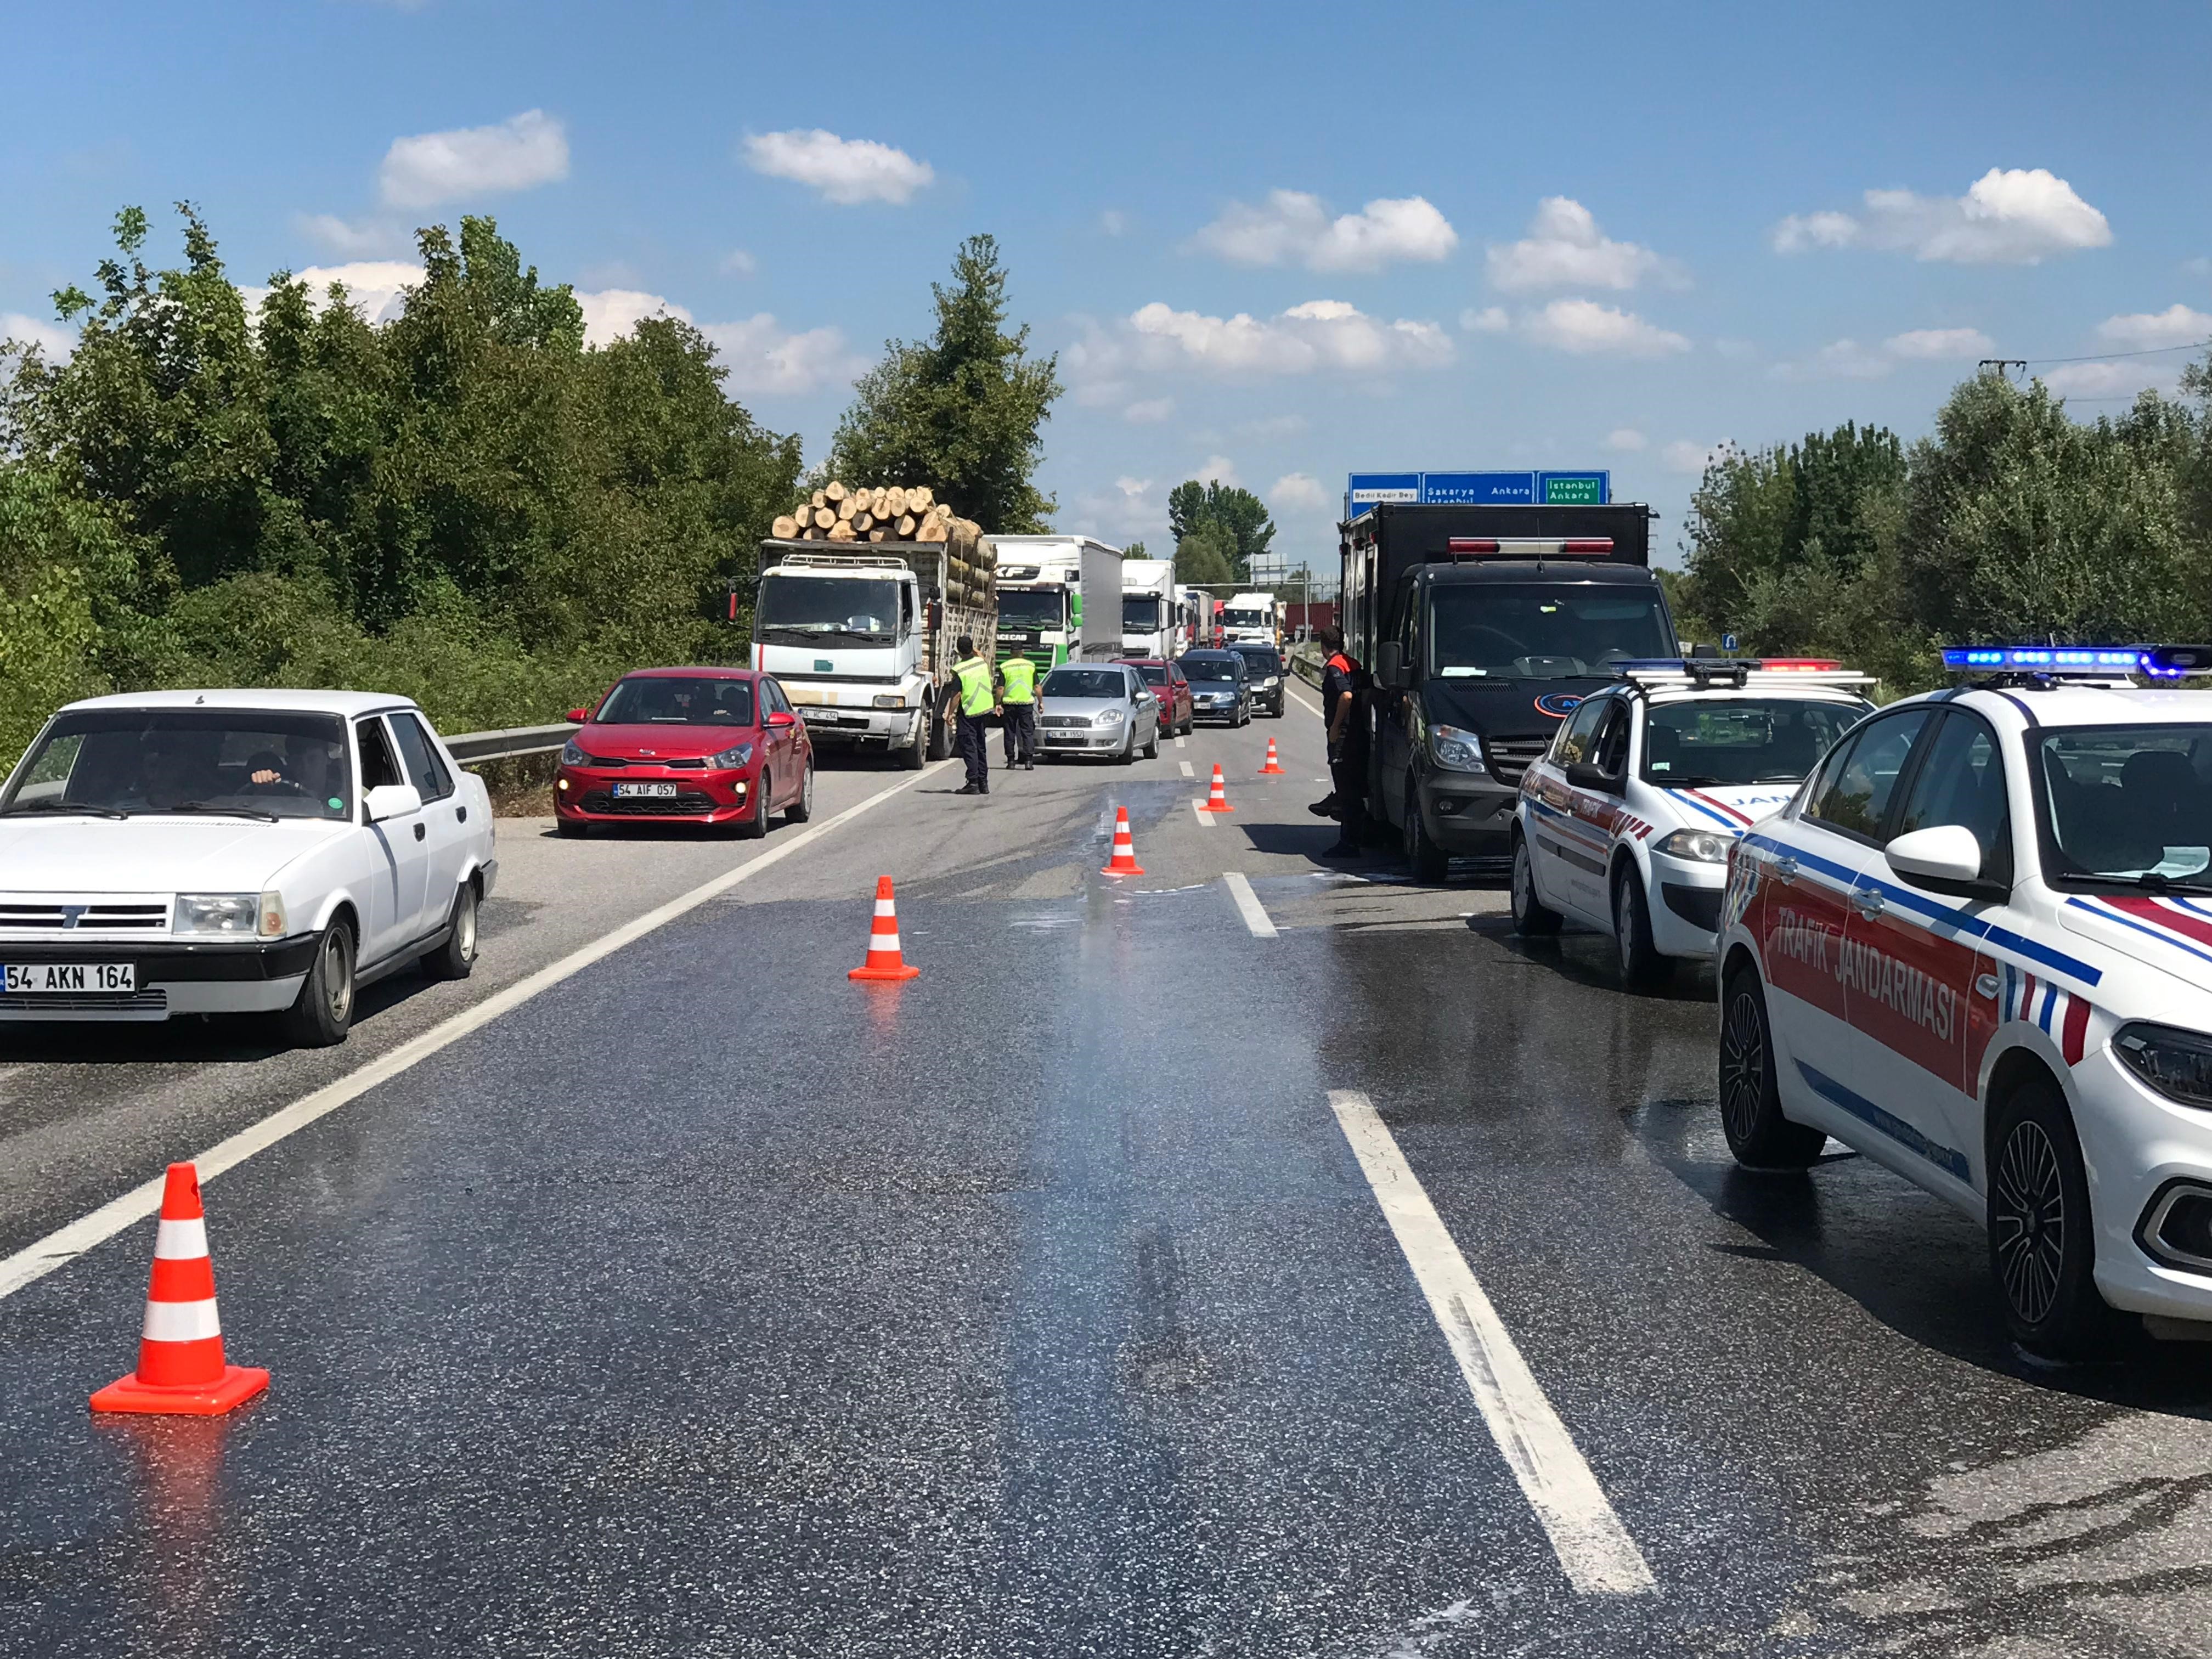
{"x": 580, "y": 716}
{"x": 1949, "y": 854}
{"x": 1584, "y": 775}
{"x": 777, "y": 717}
{"x": 1390, "y": 666}
{"x": 392, "y": 800}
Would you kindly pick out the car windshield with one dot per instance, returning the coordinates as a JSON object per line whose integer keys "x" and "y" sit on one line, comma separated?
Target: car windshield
{"x": 810, "y": 607}
{"x": 1155, "y": 673}
{"x": 125, "y": 762}
{"x": 1020, "y": 608}
{"x": 1723, "y": 740}
{"x": 1209, "y": 668}
{"x": 678, "y": 700}
{"x": 1261, "y": 662}
{"x": 1085, "y": 683}
{"x": 1532, "y": 631}
{"x": 1140, "y": 613}
{"x": 2128, "y": 803}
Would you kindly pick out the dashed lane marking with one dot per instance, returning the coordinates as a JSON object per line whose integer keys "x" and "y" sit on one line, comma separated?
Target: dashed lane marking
{"x": 1186, "y": 772}
{"x": 1248, "y": 904}
{"x": 1181, "y": 742}
{"x": 1596, "y": 1553}
{"x": 1198, "y": 810}
{"x": 64, "y": 1245}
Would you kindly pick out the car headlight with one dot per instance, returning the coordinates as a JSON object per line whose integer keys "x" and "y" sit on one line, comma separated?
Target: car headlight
{"x": 2176, "y": 1063}
{"x": 570, "y": 754}
{"x": 1271, "y": 682}
{"x": 241, "y": 915}
{"x": 889, "y": 699}
{"x": 1110, "y": 717}
{"x": 1699, "y": 845}
{"x": 739, "y": 755}
{"x": 1454, "y": 750}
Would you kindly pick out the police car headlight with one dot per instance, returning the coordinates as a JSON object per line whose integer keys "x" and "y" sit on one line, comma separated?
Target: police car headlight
{"x": 1111, "y": 717}
{"x": 1456, "y": 750}
{"x": 1699, "y": 845}
{"x": 2176, "y": 1063}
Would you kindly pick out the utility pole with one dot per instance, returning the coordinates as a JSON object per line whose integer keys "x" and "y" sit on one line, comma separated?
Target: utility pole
{"x": 1999, "y": 365}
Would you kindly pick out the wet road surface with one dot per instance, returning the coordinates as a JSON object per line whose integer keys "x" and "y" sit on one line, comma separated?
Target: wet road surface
{"x": 706, "y": 1302}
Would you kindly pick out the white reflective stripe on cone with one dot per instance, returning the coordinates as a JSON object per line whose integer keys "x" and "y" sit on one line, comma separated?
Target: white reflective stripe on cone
{"x": 180, "y": 1240}
{"x": 181, "y": 1321}
{"x": 881, "y": 942}
{"x": 886, "y": 908}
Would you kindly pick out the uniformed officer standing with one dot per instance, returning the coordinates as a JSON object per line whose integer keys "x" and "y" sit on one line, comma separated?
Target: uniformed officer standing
{"x": 1017, "y": 711}
{"x": 974, "y": 675}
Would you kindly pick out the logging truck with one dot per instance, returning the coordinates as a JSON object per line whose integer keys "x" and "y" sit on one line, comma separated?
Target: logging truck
{"x": 863, "y": 638}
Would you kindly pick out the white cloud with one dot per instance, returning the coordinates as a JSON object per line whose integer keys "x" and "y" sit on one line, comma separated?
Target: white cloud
{"x": 614, "y": 312}
{"x": 56, "y": 340}
{"x": 2176, "y": 325}
{"x": 762, "y": 358}
{"x": 1683, "y": 456}
{"x": 1587, "y": 328}
{"x": 374, "y": 287}
{"x": 1299, "y": 492}
{"x": 526, "y": 150}
{"x": 2102, "y": 382}
{"x": 1625, "y": 438}
{"x": 1565, "y": 248}
{"x": 1217, "y": 468}
{"x": 1490, "y": 320}
{"x": 1320, "y": 335}
{"x": 1294, "y": 228}
{"x": 1149, "y": 412}
{"x": 847, "y": 171}
{"x": 1130, "y": 507}
{"x": 1113, "y": 222}
{"x": 364, "y": 240}
{"x": 1940, "y": 344}
{"x": 2017, "y": 216}
{"x": 738, "y": 263}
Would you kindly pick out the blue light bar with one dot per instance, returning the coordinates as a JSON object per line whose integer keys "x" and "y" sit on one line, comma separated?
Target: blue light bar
{"x": 2104, "y": 661}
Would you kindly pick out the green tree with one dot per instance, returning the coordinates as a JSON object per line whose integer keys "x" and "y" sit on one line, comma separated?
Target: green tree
{"x": 961, "y": 411}
{"x": 1133, "y": 550}
{"x": 1242, "y": 515}
{"x": 1205, "y": 555}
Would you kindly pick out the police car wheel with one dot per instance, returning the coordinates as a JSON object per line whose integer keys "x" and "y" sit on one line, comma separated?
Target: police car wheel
{"x": 2042, "y": 1247}
{"x": 1759, "y": 1136}
{"x": 1641, "y": 965}
{"x": 1532, "y": 917}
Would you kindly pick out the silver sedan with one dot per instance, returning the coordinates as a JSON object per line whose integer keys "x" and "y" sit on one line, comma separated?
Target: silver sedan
{"x": 1103, "y": 709}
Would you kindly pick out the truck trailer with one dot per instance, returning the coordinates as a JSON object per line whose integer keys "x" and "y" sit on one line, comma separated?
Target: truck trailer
{"x": 1483, "y": 627}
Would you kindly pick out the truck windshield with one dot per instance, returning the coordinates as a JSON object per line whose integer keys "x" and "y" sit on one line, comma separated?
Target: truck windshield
{"x": 1535, "y": 631}
{"x": 1715, "y": 741}
{"x": 810, "y": 607}
{"x": 1140, "y": 613}
{"x": 1248, "y": 618}
{"x": 1031, "y": 607}
{"x": 119, "y": 762}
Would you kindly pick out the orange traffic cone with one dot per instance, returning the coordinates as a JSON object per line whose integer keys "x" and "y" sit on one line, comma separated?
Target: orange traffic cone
{"x": 1124, "y": 861}
{"x": 180, "y": 1365}
{"x": 1273, "y": 767}
{"x": 884, "y": 962}
{"x": 1218, "y": 800}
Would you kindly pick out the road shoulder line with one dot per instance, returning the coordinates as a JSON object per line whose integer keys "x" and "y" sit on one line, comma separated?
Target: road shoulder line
{"x": 1594, "y": 1550}
{"x": 64, "y": 1244}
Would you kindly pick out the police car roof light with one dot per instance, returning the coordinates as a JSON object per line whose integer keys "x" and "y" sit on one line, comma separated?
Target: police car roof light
{"x": 2081, "y": 661}
{"x": 1703, "y": 672}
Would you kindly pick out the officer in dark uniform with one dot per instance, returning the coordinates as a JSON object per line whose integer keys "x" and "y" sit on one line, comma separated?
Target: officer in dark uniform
{"x": 1347, "y": 752}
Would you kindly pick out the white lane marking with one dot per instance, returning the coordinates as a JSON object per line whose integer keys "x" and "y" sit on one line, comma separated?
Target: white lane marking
{"x": 64, "y": 1244}
{"x": 1248, "y": 904}
{"x": 1198, "y": 809}
{"x": 1310, "y": 707}
{"x": 1180, "y": 742}
{"x": 1186, "y": 772}
{"x": 1599, "y": 1557}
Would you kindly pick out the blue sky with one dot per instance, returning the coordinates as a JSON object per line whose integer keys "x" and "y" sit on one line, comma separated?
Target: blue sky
{"x": 1271, "y": 243}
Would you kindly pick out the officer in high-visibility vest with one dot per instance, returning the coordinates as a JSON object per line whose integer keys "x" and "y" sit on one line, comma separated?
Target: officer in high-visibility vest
{"x": 1017, "y": 711}
{"x": 973, "y": 675}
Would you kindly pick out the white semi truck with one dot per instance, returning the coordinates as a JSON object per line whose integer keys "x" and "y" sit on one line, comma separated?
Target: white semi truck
{"x": 863, "y": 642}
{"x": 1041, "y": 596}
{"x": 1251, "y": 620}
{"x": 1148, "y": 610}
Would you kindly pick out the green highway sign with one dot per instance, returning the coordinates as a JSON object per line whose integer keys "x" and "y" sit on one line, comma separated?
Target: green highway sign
{"x": 1572, "y": 488}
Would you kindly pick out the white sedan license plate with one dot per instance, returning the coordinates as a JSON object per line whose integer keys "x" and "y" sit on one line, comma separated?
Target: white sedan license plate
{"x": 664, "y": 790}
{"x": 37, "y": 978}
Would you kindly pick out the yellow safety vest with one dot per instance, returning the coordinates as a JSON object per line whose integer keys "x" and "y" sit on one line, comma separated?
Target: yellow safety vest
{"x": 1020, "y": 675}
{"x": 975, "y": 676}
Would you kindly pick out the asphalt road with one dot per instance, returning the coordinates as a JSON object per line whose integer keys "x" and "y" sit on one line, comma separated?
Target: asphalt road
{"x": 1051, "y": 1304}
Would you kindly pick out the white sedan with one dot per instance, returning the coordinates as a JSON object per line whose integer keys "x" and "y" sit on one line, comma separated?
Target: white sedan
{"x": 235, "y": 852}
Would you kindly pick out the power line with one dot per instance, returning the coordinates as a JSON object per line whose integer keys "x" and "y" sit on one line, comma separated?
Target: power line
{"x": 2103, "y": 356}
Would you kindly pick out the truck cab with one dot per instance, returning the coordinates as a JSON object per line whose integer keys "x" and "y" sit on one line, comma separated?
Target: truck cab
{"x": 1039, "y": 612}
{"x": 1149, "y": 624}
{"x": 1250, "y": 619}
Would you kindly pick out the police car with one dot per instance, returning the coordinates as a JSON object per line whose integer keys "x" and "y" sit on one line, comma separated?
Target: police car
{"x": 1624, "y": 822}
{"x": 1977, "y": 947}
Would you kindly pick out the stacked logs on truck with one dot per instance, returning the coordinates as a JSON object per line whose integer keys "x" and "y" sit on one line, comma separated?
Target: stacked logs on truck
{"x": 840, "y": 512}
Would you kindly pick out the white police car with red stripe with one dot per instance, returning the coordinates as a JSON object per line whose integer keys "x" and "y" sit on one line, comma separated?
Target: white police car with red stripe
{"x": 1977, "y": 947}
{"x": 1624, "y": 822}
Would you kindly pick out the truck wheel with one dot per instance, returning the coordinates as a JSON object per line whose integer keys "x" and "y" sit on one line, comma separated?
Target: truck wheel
{"x": 1751, "y": 1104}
{"x": 1641, "y": 965}
{"x": 322, "y": 1012}
{"x": 1430, "y": 862}
{"x": 1532, "y": 917}
{"x": 915, "y": 755}
{"x": 2042, "y": 1244}
{"x": 941, "y": 732}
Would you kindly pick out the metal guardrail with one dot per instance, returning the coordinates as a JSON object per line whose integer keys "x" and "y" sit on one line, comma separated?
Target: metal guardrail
{"x": 470, "y": 747}
{"x": 1307, "y": 665}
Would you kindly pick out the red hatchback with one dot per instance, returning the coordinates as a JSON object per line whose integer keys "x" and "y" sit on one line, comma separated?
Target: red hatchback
{"x": 718, "y": 746}
{"x": 1170, "y": 688}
